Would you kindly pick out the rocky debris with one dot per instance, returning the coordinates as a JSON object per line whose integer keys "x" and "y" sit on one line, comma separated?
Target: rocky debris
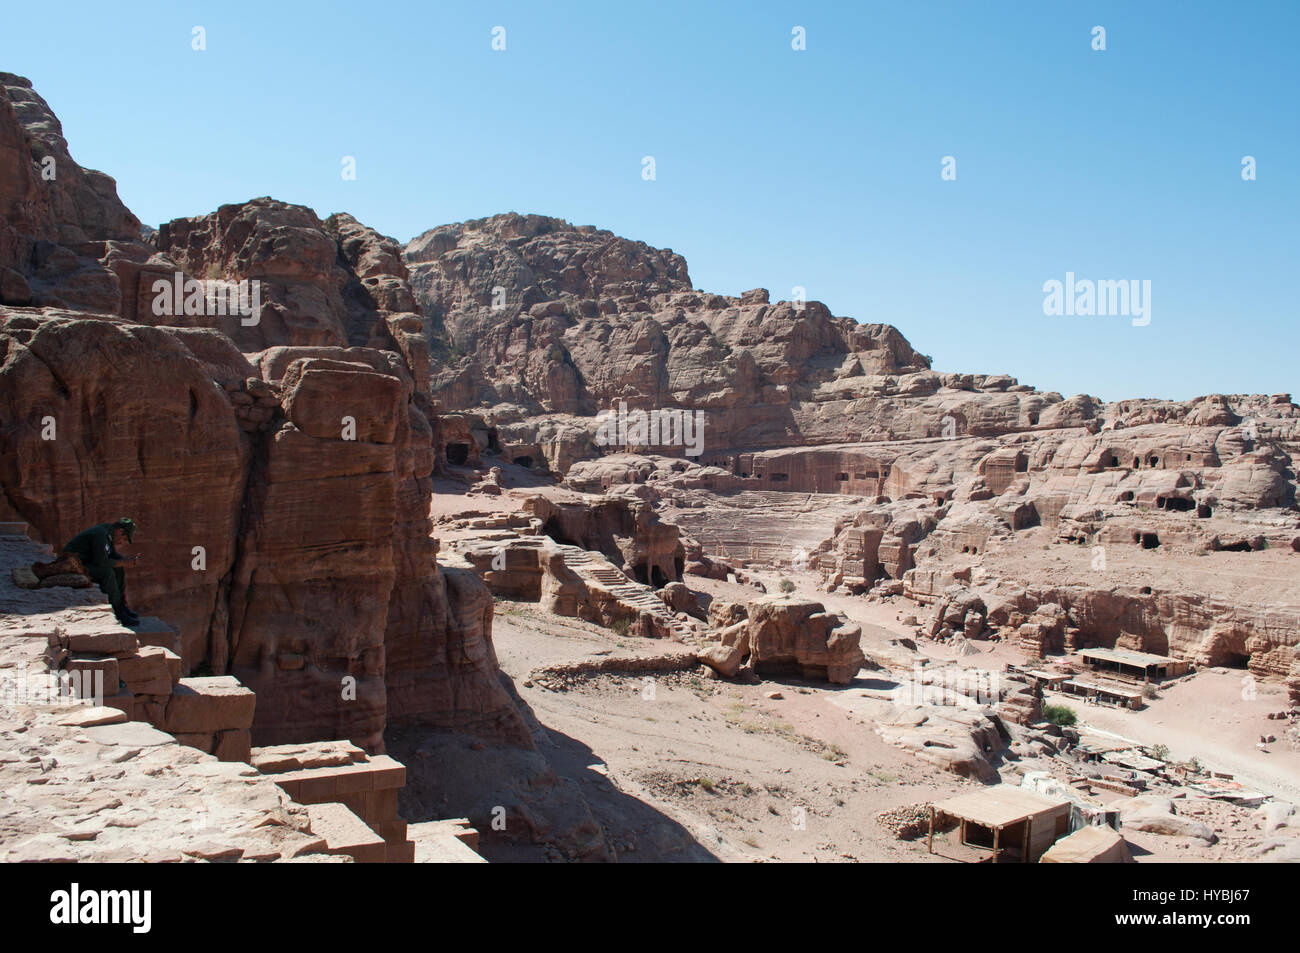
{"x": 906, "y": 822}
{"x": 959, "y": 610}
{"x": 565, "y": 675}
{"x": 723, "y": 614}
{"x": 1156, "y": 815}
{"x": 731, "y": 652}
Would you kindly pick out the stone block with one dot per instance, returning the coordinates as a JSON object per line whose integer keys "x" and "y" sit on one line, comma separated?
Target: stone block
{"x": 123, "y": 702}
{"x": 394, "y": 832}
{"x": 87, "y": 671}
{"x": 403, "y": 853}
{"x": 233, "y": 745}
{"x": 149, "y": 672}
{"x": 380, "y": 805}
{"x": 387, "y": 772}
{"x": 99, "y": 641}
{"x": 345, "y": 833}
{"x": 200, "y": 740}
{"x": 218, "y": 703}
{"x": 131, "y": 734}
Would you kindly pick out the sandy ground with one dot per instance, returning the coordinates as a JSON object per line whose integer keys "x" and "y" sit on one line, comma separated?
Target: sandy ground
{"x": 752, "y": 778}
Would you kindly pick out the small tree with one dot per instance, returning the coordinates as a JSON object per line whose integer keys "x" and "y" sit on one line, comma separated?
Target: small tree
{"x": 786, "y": 585}
{"x": 1061, "y": 715}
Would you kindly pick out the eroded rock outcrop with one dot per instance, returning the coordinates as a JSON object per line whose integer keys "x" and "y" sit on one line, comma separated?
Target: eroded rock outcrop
{"x": 278, "y": 460}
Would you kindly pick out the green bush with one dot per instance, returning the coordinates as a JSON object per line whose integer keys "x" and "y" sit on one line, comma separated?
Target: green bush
{"x": 620, "y": 626}
{"x": 1060, "y": 715}
{"x": 786, "y": 585}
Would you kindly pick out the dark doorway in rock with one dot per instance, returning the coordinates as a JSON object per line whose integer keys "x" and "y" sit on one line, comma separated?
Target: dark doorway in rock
{"x": 640, "y": 575}
{"x": 494, "y": 442}
{"x": 552, "y": 529}
{"x": 657, "y": 577}
{"x": 457, "y": 454}
{"x": 1176, "y": 503}
{"x": 680, "y": 566}
{"x": 1149, "y": 540}
{"x": 1126, "y": 497}
{"x": 526, "y": 462}
{"x": 1203, "y": 512}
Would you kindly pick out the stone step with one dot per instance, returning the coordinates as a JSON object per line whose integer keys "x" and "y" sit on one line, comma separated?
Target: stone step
{"x": 445, "y": 842}
{"x": 153, "y": 670}
{"x": 345, "y": 833}
{"x": 316, "y": 785}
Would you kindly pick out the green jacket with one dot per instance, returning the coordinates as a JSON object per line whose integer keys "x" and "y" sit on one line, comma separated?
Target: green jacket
{"x": 94, "y": 547}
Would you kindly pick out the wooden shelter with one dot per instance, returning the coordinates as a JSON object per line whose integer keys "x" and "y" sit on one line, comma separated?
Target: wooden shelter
{"x": 1005, "y": 820}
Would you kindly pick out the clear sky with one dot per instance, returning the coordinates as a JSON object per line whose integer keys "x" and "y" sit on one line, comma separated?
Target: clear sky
{"x": 777, "y": 168}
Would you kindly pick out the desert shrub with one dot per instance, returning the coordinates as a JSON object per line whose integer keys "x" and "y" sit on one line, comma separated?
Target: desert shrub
{"x": 1061, "y": 715}
{"x": 786, "y": 585}
{"x": 620, "y": 626}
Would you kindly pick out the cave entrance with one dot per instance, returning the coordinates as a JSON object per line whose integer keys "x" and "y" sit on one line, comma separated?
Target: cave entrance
{"x": 1147, "y": 540}
{"x": 658, "y": 579}
{"x": 1175, "y": 503}
{"x": 525, "y": 462}
{"x": 640, "y": 575}
{"x": 680, "y": 566}
{"x": 457, "y": 454}
{"x": 552, "y": 529}
{"x": 494, "y": 442}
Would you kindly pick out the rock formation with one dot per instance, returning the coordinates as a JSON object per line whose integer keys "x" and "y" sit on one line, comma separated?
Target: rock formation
{"x": 277, "y": 461}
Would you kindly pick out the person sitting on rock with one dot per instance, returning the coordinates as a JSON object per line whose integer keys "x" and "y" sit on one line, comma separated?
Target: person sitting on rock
{"x": 97, "y": 549}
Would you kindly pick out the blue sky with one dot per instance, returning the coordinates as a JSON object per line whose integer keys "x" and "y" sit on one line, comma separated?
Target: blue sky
{"x": 775, "y": 168}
